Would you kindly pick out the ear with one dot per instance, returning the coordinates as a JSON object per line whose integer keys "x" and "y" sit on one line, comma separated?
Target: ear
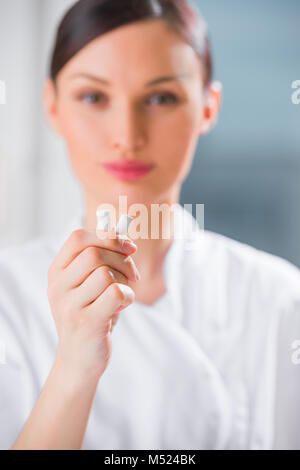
{"x": 212, "y": 105}
{"x": 50, "y": 104}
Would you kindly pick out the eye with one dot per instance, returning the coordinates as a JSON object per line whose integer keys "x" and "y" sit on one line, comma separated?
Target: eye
{"x": 91, "y": 98}
{"x": 165, "y": 98}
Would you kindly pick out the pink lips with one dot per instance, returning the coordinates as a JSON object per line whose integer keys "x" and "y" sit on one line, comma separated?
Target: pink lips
{"x": 128, "y": 170}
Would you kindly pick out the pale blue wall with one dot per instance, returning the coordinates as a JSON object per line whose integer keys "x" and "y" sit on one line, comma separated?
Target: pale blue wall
{"x": 247, "y": 171}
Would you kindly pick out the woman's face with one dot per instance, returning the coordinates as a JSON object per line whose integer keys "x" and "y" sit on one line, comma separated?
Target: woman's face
{"x": 128, "y": 118}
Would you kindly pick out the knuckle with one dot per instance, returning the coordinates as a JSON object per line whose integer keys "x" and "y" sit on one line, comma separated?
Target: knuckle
{"x": 103, "y": 275}
{"x": 92, "y": 255}
{"x": 106, "y": 274}
{"x": 77, "y": 236}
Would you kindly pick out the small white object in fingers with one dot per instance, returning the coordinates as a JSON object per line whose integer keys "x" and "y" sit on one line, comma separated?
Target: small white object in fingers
{"x": 103, "y": 220}
{"x": 124, "y": 224}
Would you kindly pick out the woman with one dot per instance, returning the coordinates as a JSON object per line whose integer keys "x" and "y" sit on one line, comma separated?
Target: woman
{"x": 202, "y": 350}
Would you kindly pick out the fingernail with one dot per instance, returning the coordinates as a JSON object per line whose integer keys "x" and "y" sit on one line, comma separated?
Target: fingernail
{"x": 128, "y": 246}
{"x": 128, "y": 294}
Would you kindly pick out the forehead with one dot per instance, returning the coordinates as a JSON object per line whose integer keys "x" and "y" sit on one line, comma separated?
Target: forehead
{"x": 135, "y": 51}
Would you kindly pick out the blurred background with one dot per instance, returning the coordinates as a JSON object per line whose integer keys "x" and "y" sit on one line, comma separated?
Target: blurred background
{"x": 246, "y": 171}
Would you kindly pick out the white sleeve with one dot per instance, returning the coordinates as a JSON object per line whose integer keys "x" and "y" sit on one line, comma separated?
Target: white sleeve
{"x": 14, "y": 405}
{"x": 287, "y": 393}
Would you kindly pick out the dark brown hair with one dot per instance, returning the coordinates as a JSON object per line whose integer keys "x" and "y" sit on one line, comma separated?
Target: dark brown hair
{"x": 88, "y": 19}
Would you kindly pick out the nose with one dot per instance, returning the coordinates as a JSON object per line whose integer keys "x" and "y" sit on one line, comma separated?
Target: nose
{"x": 128, "y": 132}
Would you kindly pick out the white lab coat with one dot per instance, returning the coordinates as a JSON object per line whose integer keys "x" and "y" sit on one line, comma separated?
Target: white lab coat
{"x": 207, "y": 366}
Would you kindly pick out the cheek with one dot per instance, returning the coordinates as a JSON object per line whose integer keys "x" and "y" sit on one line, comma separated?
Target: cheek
{"x": 176, "y": 138}
{"x": 83, "y": 136}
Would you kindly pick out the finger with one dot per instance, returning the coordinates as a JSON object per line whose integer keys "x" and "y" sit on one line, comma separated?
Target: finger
{"x": 95, "y": 285}
{"x": 82, "y": 239}
{"x": 116, "y": 295}
{"x": 92, "y": 258}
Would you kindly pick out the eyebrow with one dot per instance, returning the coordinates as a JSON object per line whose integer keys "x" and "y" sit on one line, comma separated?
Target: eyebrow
{"x": 149, "y": 84}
